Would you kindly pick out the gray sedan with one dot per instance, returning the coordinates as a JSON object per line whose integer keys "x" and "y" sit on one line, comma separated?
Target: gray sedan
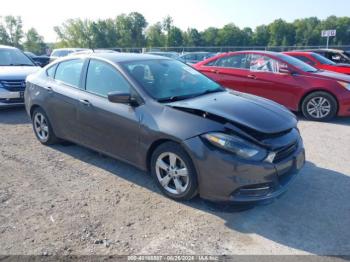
{"x": 165, "y": 117}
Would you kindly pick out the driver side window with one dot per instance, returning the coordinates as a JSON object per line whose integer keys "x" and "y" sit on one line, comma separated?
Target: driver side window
{"x": 263, "y": 63}
{"x": 102, "y": 79}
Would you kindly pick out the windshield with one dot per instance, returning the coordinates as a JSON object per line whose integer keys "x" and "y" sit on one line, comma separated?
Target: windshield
{"x": 297, "y": 63}
{"x": 14, "y": 57}
{"x": 170, "y": 80}
{"x": 322, "y": 59}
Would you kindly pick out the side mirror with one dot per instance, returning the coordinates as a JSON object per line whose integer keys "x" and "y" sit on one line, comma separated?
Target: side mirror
{"x": 121, "y": 98}
{"x": 38, "y": 64}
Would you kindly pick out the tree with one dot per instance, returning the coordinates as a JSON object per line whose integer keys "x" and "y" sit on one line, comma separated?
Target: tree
{"x": 4, "y": 37}
{"x": 192, "y": 37}
{"x": 229, "y": 35}
{"x": 75, "y": 33}
{"x": 307, "y": 31}
{"x": 261, "y": 35}
{"x": 155, "y": 36}
{"x": 209, "y": 36}
{"x": 281, "y": 33}
{"x": 247, "y": 36}
{"x": 34, "y": 42}
{"x": 175, "y": 37}
{"x": 11, "y": 30}
{"x": 138, "y": 25}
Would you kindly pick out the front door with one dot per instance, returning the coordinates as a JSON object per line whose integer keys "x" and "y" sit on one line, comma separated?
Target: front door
{"x": 105, "y": 126}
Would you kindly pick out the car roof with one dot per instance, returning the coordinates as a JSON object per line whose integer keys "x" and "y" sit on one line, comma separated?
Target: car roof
{"x": 7, "y": 47}
{"x": 253, "y": 52}
{"x": 321, "y": 50}
{"x": 298, "y": 53}
{"x": 119, "y": 57}
{"x": 69, "y": 49}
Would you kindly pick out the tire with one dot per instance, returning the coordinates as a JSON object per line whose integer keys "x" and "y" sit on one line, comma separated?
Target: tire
{"x": 319, "y": 106}
{"x": 42, "y": 128}
{"x": 171, "y": 165}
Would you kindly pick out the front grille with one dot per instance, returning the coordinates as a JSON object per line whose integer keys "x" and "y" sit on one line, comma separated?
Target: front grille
{"x": 13, "y": 85}
{"x": 11, "y": 100}
{"x": 285, "y": 152}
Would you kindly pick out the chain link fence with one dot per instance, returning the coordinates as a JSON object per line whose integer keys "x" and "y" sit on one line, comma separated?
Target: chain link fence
{"x": 222, "y": 49}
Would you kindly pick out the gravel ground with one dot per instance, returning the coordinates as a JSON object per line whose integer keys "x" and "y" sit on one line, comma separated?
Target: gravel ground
{"x": 66, "y": 199}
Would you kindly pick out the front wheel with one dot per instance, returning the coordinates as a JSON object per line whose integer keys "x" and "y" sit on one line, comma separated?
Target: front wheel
{"x": 42, "y": 127}
{"x": 319, "y": 106}
{"x": 173, "y": 171}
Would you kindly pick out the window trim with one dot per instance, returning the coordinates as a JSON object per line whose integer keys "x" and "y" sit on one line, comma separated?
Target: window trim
{"x": 236, "y": 68}
{"x": 80, "y": 87}
{"x": 84, "y": 80}
{"x": 54, "y": 73}
{"x": 269, "y": 72}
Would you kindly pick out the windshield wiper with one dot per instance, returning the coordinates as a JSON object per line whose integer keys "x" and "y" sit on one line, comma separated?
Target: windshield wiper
{"x": 174, "y": 98}
{"x": 211, "y": 91}
{"x": 183, "y": 97}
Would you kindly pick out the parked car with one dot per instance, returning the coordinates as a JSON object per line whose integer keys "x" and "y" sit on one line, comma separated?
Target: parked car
{"x": 337, "y": 56}
{"x": 62, "y": 52}
{"x": 41, "y": 60}
{"x": 163, "y": 116}
{"x": 15, "y": 66}
{"x": 172, "y": 55}
{"x": 89, "y": 51}
{"x": 320, "y": 62}
{"x": 195, "y": 57}
{"x": 319, "y": 95}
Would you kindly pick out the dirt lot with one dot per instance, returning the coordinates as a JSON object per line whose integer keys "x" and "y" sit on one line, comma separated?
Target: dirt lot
{"x": 69, "y": 200}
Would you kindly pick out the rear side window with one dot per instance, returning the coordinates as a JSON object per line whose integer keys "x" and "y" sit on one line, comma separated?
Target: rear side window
{"x": 69, "y": 72}
{"x": 234, "y": 61}
{"x": 102, "y": 79}
{"x": 51, "y": 71}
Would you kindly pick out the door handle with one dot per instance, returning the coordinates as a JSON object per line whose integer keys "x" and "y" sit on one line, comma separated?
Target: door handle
{"x": 252, "y": 76}
{"x": 214, "y": 71}
{"x": 84, "y": 102}
{"x": 48, "y": 88}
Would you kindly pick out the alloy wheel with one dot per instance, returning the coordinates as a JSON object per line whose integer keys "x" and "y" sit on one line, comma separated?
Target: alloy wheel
{"x": 318, "y": 107}
{"x": 172, "y": 173}
{"x": 41, "y": 127}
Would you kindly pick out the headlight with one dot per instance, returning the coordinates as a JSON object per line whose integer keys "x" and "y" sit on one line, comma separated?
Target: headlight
{"x": 345, "y": 84}
{"x": 237, "y": 146}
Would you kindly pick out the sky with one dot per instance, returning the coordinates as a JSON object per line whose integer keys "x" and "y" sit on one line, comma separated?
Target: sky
{"x": 45, "y": 14}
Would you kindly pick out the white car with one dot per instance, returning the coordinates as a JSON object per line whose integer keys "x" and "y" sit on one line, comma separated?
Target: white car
{"x": 15, "y": 66}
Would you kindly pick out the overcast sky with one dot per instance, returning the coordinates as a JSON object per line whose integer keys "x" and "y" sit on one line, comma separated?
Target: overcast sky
{"x": 45, "y": 14}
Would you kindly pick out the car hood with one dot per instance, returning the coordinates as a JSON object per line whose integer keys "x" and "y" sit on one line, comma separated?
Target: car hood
{"x": 17, "y": 72}
{"x": 245, "y": 110}
{"x": 332, "y": 75}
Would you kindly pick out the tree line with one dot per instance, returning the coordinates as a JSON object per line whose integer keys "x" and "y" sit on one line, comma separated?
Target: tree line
{"x": 132, "y": 31}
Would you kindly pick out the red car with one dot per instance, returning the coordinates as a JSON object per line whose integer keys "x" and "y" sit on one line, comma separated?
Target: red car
{"x": 319, "y": 95}
{"x": 320, "y": 62}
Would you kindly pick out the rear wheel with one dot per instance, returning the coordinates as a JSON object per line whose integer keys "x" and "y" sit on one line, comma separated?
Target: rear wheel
{"x": 42, "y": 127}
{"x": 173, "y": 172}
{"x": 319, "y": 106}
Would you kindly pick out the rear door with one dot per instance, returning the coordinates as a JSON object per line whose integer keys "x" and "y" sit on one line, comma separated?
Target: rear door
{"x": 111, "y": 128}
{"x": 63, "y": 91}
{"x": 229, "y": 71}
